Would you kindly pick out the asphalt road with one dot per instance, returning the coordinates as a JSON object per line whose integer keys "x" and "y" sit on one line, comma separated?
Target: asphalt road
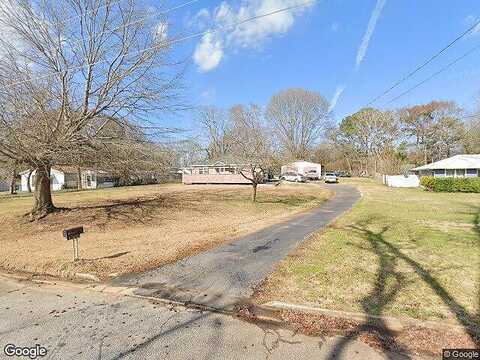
{"x": 76, "y": 323}
{"x": 226, "y": 275}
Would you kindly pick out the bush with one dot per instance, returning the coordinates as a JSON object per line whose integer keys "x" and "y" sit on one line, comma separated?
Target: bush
{"x": 468, "y": 185}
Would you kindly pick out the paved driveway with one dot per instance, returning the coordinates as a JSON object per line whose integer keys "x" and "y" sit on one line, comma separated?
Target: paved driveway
{"x": 226, "y": 275}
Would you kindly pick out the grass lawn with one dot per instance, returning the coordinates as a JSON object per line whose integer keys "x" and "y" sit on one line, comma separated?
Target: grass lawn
{"x": 398, "y": 252}
{"x": 131, "y": 229}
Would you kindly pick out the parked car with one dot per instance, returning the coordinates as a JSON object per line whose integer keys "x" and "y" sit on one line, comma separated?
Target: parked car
{"x": 312, "y": 175}
{"x": 342, "y": 174}
{"x": 291, "y": 176}
{"x": 330, "y": 178}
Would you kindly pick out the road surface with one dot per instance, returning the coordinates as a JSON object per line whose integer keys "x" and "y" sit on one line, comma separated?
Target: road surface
{"x": 77, "y": 323}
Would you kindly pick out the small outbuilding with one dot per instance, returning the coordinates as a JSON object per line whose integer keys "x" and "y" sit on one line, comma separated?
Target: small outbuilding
{"x": 455, "y": 166}
{"x": 306, "y": 168}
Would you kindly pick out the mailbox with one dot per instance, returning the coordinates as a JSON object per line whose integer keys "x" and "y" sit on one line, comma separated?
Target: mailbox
{"x": 73, "y": 233}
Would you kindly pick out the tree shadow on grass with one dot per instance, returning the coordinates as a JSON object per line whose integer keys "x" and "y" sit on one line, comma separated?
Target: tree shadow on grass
{"x": 374, "y": 303}
{"x": 130, "y": 211}
{"x": 288, "y": 200}
{"x": 381, "y": 294}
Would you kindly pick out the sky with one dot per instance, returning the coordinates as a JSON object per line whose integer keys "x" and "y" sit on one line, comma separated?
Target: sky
{"x": 348, "y": 51}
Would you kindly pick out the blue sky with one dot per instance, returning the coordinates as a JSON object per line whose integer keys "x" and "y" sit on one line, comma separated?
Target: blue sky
{"x": 317, "y": 47}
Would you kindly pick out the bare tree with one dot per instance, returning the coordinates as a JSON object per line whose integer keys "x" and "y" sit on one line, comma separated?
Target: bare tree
{"x": 9, "y": 173}
{"x": 73, "y": 68}
{"x": 471, "y": 142}
{"x": 299, "y": 118}
{"x": 434, "y": 129}
{"x": 251, "y": 146}
{"x": 217, "y": 128}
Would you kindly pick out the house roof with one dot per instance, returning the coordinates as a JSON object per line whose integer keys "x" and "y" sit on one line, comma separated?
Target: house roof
{"x": 303, "y": 162}
{"x": 454, "y": 162}
{"x": 216, "y": 164}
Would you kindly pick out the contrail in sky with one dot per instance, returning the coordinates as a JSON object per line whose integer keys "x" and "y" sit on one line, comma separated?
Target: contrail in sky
{"x": 336, "y": 96}
{"x": 362, "y": 50}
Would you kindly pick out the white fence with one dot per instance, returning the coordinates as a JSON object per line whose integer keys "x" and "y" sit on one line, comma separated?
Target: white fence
{"x": 401, "y": 180}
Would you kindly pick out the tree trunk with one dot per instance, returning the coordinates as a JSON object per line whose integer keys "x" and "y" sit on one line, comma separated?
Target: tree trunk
{"x": 13, "y": 182}
{"x": 254, "y": 193}
{"x": 43, "y": 196}
{"x": 29, "y": 179}
{"x": 79, "y": 178}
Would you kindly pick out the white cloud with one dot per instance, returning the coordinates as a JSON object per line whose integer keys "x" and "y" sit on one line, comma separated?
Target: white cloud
{"x": 336, "y": 96}
{"x": 209, "y": 52}
{"x": 251, "y": 34}
{"x": 362, "y": 50}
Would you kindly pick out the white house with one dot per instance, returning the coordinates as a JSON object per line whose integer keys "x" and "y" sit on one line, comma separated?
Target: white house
{"x": 303, "y": 167}
{"x": 66, "y": 177}
{"x": 455, "y": 166}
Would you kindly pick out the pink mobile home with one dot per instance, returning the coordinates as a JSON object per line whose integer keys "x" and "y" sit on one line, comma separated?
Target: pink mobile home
{"x": 218, "y": 173}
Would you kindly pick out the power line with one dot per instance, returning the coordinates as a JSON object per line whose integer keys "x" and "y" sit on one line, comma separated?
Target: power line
{"x": 428, "y": 61}
{"x": 170, "y": 42}
{"x": 435, "y": 74}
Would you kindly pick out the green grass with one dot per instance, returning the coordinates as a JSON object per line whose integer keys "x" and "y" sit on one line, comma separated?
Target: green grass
{"x": 400, "y": 252}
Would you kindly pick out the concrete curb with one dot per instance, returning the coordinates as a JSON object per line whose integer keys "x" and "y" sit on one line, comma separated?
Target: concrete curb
{"x": 391, "y": 323}
{"x": 62, "y": 275}
{"x": 258, "y": 313}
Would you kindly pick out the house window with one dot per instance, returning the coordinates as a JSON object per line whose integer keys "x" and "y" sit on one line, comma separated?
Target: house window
{"x": 439, "y": 173}
{"x": 89, "y": 181}
{"x": 472, "y": 172}
{"x": 203, "y": 171}
{"x": 460, "y": 173}
{"x": 450, "y": 172}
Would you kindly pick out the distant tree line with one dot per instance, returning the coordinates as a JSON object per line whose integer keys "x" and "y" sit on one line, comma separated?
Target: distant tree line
{"x": 296, "y": 125}
{"x": 391, "y": 142}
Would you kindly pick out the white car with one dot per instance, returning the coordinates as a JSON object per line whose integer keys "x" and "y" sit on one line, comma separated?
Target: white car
{"x": 290, "y": 176}
{"x": 330, "y": 178}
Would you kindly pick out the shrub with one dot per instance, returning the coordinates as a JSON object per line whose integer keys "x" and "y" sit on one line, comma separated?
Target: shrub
{"x": 468, "y": 185}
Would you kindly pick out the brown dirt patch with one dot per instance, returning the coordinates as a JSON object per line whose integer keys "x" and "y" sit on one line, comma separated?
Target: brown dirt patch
{"x": 138, "y": 228}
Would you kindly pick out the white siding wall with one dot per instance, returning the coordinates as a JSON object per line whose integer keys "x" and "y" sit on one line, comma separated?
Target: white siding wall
{"x": 57, "y": 180}
{"x": 401, "y": 181}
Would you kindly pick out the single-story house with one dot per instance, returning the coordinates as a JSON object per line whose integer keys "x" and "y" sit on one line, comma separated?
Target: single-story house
{"x": 66, "y": 177}
{"x": 217, "y": 173}
{"x": 304, "y": 168}
{"x": 455, "y": 166}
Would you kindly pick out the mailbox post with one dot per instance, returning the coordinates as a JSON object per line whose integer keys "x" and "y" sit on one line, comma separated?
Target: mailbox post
{"x": 73, "y": 234}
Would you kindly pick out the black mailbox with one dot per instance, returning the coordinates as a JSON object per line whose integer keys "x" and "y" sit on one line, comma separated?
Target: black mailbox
{"x": 73, "y": 233}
